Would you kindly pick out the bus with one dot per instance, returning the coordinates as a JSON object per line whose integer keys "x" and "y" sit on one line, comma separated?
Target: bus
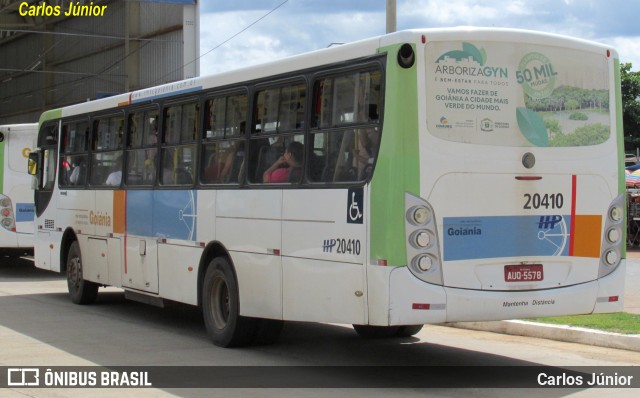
{"x": 16, "y": 193}
{"x": 458, "y": 174}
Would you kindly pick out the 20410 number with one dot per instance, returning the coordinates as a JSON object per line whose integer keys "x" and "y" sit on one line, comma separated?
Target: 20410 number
{"x": 348, "y": 246}
{"x": 546, "y": 201}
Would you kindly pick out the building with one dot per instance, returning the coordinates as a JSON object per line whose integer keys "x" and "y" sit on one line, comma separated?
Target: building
{"x": 53, "y": 54}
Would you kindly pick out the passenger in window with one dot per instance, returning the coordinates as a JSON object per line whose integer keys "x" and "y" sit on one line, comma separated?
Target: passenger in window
{"x": 281, "y": 169}
{"x": 363, "y": 156}
{"x": 168, "y": 167}
{"x": 77, "y": 175}
{"x": 232, "y": 162}
{"x": 116, "y": 176}
{"x": 150, "y": 154}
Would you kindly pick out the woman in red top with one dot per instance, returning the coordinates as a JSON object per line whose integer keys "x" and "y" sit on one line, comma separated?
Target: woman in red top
{"x": 281, "y": 169}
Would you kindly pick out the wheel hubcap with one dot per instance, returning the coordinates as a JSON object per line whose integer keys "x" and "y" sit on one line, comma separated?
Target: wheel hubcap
{"x": 220, "y": 303}
{"x": 75, "y": 272}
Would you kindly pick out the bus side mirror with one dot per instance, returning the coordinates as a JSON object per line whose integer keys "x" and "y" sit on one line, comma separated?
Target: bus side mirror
{"x": 33, "y": 163}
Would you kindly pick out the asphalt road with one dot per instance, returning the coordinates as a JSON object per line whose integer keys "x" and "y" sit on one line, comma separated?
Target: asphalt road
{"x": 39, "y": 326}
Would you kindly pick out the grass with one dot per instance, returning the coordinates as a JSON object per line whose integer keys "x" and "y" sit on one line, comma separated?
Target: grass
{"x": 620, "y": 322}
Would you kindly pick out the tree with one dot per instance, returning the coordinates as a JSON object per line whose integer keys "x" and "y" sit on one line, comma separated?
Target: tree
{"x": 571, "y": 105}
{"x": 630, "y": 86}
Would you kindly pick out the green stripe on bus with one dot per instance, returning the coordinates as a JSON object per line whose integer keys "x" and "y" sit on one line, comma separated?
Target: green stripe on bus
{"x": 622, "y": 184}
{"x": 397, "y": 168}
{"x": 2, "y": 160}
{"x": 50, "y": 115}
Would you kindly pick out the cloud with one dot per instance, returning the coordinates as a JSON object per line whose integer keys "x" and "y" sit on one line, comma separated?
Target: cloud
{"x": 300, "y": 26}
{"x": 628, "y": 48}
{"x": 248, "y": 48}
{"x": 277, "y": 36}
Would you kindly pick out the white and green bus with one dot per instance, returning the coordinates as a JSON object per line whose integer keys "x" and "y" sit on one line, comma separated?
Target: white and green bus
{"x": 441, "y": 175}
{"x": 16, "y": 192}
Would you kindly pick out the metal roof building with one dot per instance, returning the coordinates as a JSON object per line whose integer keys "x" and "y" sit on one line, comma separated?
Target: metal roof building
{"x": 49, "y": 59}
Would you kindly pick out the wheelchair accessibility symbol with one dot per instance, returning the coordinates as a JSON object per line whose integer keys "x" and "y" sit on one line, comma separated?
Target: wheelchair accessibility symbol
{"x": 355, "y": 206}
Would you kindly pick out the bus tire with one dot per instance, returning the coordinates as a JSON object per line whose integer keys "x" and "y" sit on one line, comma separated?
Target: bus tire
{"x": 376, "y": 332}
{"x": 221, "y": 307}
{"x": 409, "y": 330}
{"x": 81, "y": 291}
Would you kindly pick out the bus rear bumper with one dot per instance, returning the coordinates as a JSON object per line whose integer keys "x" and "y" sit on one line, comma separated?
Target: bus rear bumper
{"x": 415, "y": 302}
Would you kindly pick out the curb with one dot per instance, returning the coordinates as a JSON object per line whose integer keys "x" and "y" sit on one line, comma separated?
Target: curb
{"x": 568, "y": 334}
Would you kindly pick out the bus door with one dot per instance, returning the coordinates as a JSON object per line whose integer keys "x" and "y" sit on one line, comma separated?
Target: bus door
{"x": 46, "y": 212}
{"x": 140, "y": 268}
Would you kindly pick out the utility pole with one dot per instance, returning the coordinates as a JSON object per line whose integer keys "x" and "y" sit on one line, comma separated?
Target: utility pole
{"x": 391, "y": 16}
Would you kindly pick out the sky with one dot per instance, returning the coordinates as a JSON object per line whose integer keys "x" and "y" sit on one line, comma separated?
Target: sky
{"x": 237, "y": 33}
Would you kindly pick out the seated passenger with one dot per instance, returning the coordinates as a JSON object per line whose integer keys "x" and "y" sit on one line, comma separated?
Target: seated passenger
{"x": 115, "y": 177}
{"x": 77, "y": 175}
{"x": 279, "y": 171}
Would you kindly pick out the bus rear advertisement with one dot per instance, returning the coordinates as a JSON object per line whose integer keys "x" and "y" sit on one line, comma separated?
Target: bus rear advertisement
{"x": 424, "y": 176}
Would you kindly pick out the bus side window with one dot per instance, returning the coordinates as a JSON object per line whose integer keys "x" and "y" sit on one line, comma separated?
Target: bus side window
{"x": 178, "y": 156}
{"x": 142, "y": 148}
{"x": 177, "y": 165}
{"x": 49, "y": 177}
{"x": 73, "y": 157}
{"x": 223, "y": 149}
{"x": 279, "y": 114}
{"x": 345, "y": 133}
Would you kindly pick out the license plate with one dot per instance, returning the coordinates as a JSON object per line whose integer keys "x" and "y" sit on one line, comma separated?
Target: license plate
{"x": 523, "y": 273}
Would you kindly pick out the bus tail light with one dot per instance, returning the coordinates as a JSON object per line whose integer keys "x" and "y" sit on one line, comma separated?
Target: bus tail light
{"x": 613, "y": 237}
{"x": 7, "y": 219}
{"x": 423, "y": 249}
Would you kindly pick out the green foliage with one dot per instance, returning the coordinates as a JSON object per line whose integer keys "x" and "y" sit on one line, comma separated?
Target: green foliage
{"x": 570, "y": 98}
{"x": 630, "y": 87}
{"x": 571, "y": 105}
{"x": 553, "y": 126}
{"x": 578, "y": 116}
{"x": 592, "y": 134}
{"x": 620, "y": 322}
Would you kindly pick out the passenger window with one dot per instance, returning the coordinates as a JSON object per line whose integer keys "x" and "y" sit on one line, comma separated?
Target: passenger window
{"x": 266, "y": 159}
{"x": 106, "y": 169}
{"x": 142, "y": 143}
{"x": 108, "y": 133}
{"x": 279, "y": 116}
{"x": 223, "y": 162}
{"x": 347, "y": 99}
{"x": 75, "y": 137}
{"x": 106, "y": 158}
{"x": 73, "y": 160}
{"x": 177, "y": 165}
{"x": 223, "y": 150}
{"x": 180, "y": 123}
{"x": 280, "y": 109}
{"x": 343, "y": 155}
{"x": 178, "y": 155}
{"x": 49, "y": 170}
{"x": 345, "y": 134}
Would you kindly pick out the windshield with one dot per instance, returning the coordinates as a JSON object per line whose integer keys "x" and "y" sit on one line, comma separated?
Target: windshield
{"x": 517, "y": 94}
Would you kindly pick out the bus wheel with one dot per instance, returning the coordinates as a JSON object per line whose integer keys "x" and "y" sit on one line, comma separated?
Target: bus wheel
{"x": 80, "y": 290}
{"x": 409, "y": 330}
{"x": 221, "y": 307}
{"x": 376, "y": 332}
